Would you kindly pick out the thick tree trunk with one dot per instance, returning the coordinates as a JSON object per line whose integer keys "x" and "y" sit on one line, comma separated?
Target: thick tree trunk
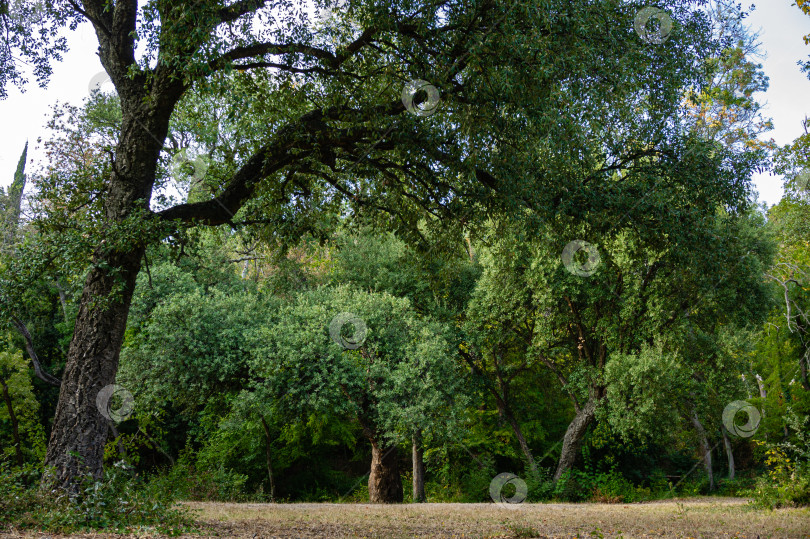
{"x": 418, "y": 468}
{"x": 573, "y": 437}
{"x": 267, "y": 454}
{"x": 15, "y": 430}
{"x": 729, "y": 453}
{"x": 705, "y": 450}
{"x": 92, "y": 359}
{"x": 384, "y": 482}
{"x": 79, "y": 428}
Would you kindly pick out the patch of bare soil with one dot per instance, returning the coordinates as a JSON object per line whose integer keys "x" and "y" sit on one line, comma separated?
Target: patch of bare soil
{"x": 692, "y": 518}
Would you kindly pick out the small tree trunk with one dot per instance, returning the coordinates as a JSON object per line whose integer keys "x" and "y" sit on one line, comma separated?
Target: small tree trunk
{"x": 15, "y": 430}
{"x": 729, "y": 453}
{"x": 573, "y": 437}
{"x": 267, "y": 454}
{"x": 704, "y": 446}
{"x": 384, "y": 482}
{"x": 506, "y": 412}
{"x": 762, "y": 391}
{"x": 62, "y": 300}
{"x": 470, "y": 250}
{"x": 804, "y": 363}
{"x": 418, "y": 468}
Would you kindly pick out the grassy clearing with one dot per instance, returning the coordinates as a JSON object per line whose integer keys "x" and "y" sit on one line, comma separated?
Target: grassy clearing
{"x": 696, "y": 517}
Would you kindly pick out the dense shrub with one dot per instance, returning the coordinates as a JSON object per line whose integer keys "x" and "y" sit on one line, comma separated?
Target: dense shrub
{"x": 787, "y": 483}
{"x": 184, "y": 481}
{"x": 604, "y": 487}
{"x": 121, "y": 502}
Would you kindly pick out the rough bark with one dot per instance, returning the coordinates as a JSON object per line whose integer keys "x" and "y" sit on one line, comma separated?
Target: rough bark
{"x": 470, "y": 250}
{"x": 573, "y": 437}
{"x": 384, "y": 482}
{"x": 729, "y": 453}
{"x": 418, "y": 468}
{"x": 705, "y": 450}
{"x": 15, "y": 430}
{"x": 147, "y": 103}
{"x": 79, "y": 428}
{"x": 267, "y": 455}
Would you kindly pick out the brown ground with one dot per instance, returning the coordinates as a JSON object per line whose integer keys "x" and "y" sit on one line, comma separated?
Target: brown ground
{"x": 697, "y": 517}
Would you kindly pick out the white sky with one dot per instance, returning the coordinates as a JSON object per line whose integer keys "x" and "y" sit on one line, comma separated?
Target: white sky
{"x": 782, "y": 26}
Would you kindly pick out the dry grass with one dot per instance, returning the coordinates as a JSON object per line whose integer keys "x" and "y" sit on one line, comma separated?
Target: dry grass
{"x": 699, "y": 517}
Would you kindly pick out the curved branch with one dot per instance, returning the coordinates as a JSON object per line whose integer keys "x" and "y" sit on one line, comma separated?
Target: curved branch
{"x": 261, "y": 49}
{"x": 303, "y": 135}
{"x": 29, "y": 345}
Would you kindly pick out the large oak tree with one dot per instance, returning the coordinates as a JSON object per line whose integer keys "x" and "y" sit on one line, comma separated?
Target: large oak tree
{"x": 539, "y": 104}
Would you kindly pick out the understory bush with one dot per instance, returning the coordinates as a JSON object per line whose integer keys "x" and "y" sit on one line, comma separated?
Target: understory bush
{"x": 120, "y": 502}
{"x": 787, "y": 483}
{"x": 604, "y": 487}
{"x": 184, "y": 481}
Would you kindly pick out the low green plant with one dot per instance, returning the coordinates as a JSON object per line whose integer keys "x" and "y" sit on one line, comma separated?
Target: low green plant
{"x": 540, "y": 485}
{"x": 787, "y": 483}
{"x": 185, "y": 481}
{"x": 121, "y": 502}
{"x": 520, "y": 530}
{"x": 570, "y": 487}
{"x": 603, "y": 487}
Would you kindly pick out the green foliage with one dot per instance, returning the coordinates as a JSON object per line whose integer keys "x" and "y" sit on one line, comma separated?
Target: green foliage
{"x": 306, "y": 369}
{"x": 184, "y": 481}
{"x": 444, "y": 241}
{"x": 188, "y": 339}
{"x": 787, "y": 482}
{"x": 14, "y": 374}
{"x": 120, "y": 503}
{"x": 521, "y": 530}
{"x": 603, "y": 487}
{"x": 642, "y": 391}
